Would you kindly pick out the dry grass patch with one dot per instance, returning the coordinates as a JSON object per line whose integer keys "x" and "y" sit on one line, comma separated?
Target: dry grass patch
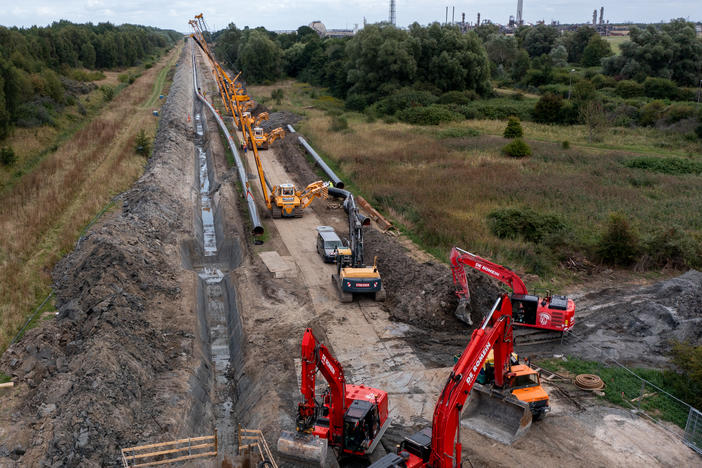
{"x": 43, "y": 214}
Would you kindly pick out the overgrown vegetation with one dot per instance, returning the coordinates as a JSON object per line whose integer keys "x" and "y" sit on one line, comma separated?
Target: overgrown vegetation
{"x": 39, "y": 65}
{"x": 624, "y": 389}
{"x": 517, "y": 148}
{"x": 674, "y": 166}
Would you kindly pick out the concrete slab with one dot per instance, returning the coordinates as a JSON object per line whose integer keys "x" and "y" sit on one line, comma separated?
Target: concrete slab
{"x": 281, "y": 267}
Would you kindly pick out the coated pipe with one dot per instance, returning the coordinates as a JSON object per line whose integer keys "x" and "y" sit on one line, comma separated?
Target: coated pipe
{"x": 253, "y": 212}
{"x": 337, "y": 182}
{"x": 291, "y": 129}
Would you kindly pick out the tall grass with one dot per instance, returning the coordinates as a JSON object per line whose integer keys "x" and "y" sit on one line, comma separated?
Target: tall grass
{"x": 42, "y": 215}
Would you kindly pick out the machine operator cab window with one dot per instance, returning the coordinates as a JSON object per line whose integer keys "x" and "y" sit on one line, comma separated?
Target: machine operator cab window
{"x": 258, "y": 133}
{"x": 287, "y": 190}
{"x": 523, "y": 381}
{"x": 361, "y": 424}
{"x": 524, "y": 308}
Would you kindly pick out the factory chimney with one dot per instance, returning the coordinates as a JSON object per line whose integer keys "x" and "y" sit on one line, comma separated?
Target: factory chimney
{"x": 478, "y": 22}
{"x": 520, "y": 20}
{"x": 601, "y": 15}
{"x": 594, "y": 17}
{"x": 392, "y": 12}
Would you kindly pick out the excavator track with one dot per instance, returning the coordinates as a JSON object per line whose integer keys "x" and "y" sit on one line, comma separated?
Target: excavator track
{"x": 526, "y": 336}
{"x": 343, "y": 295}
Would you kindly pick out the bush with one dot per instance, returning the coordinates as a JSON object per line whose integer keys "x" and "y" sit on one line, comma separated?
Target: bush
{"x": 457, "y": 97}
{"x": 108, "y": 92}
{"x": 619, "y": 244}
{"x": 338, "y": 123}
{"x": 672, "y": 166}
{"x": 278, "y": 95}
{"x": 698, "y": 131}
{"x": 673, "y": 247}
{"x": 601, "y": 81}
{"x": 511, "y": 223}
{"x": 462, "y": 132}
{"x": 142, "y": 144}
{"x": 629, "y": 89}
{"x": 548, "y": 109}
{"x": 565, "y": 144}
{"x": 688, "y": 357}
{"x": 518, "y": 148}
{"x": 651, "y": 113}
{"x": 677, "y": 112}
{"x": 660, "y": 88}
{"x": 497, "y": 109}
{"x": 7, "y": 156}
{"x": 356, "y": 102}
{"x": 402, "y": 99}
{"x": 431, "y": 115}
{"x": 514, "y": 128}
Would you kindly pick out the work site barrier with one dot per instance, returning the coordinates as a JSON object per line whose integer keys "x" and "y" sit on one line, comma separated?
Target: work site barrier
{"x": 253, "y": 212}
{"x": 650, "y": 401}
{"x": 252, "y": 440}
{"x": 170, "y": 452}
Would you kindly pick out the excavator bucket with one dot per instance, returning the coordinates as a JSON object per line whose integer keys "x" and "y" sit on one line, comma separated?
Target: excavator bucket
{"x": 504, "y": 419}
{"x": 463, "y": 311}
{"x": 302, "y": 447}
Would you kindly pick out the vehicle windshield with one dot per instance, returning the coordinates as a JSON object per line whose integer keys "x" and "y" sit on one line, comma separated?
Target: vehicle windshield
{"x": 526, "y": 380}
{"x": 287, "y": 191}
{"x": 333, "y": 244}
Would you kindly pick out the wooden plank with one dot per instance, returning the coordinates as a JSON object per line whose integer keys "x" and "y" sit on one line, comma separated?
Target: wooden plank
{"x": 173, "y": 460}
{"x": 7, "y": 385}
{"x": 164, "y": 452}
{"x": 163, "y": 444}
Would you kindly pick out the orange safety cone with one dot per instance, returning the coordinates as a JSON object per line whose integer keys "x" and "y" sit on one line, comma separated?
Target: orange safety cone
{"x": 188, "y": 117}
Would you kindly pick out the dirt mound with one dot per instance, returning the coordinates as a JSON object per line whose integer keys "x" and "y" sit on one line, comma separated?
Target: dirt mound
{"x": 113, "y": 369}
{"x": 422, "y": 293}
{"x": 637, "y": 326}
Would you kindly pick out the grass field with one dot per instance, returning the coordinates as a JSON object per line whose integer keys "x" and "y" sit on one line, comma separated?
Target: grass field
{"x": 441, "y": 183}
{"x": 615, "y": 42}
{"x": 44, "y": 211}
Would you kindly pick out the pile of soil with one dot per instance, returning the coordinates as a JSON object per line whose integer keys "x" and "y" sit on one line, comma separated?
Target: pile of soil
{"x": 280, "y": 119}
{"x": 114, "y": 368}
{"x": 295, "y": 162}
{"x": 638, "y": 326}
{"x": 423, "y": 294}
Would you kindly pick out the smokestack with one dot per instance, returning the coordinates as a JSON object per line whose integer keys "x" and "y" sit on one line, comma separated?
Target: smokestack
{"x": 392, "y": 12}
{"x": 453, "y": 15}
{"x": 520, "y": 5}
{"x": 478, "y": 22}
{"x": 601, "y": 14}
{"x": 463, "y": 20}
{"x": 594, "y": 17}
{"x": 446, "y": 20}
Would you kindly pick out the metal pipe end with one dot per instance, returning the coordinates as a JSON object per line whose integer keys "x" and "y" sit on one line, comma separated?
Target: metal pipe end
{"x": 257, "y": 230}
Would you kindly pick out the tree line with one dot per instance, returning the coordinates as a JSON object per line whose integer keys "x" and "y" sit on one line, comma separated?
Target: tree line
{"x": 35, "y": 62}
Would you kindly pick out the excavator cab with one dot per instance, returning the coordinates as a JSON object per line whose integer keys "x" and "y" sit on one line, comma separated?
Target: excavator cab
{"x": 287, "y": 190}
{"x": 361, "y": 425}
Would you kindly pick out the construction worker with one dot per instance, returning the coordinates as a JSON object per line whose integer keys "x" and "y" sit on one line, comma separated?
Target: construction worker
{"x": 244, "y": 148}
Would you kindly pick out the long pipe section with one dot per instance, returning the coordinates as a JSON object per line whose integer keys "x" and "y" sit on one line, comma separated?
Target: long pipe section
{"x": 327, "y": 170}
{"x": 253, "y": 212}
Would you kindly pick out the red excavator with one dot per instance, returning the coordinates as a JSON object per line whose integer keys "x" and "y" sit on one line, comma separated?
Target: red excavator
{"x": 350, "y": 418}
{"x": 440, "y": 445}
{"x": 548, "y": 316}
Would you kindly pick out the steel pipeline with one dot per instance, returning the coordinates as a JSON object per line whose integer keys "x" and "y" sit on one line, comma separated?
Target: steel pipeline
{"x": 327, "y": 170}
{"x": 253, "y": 212}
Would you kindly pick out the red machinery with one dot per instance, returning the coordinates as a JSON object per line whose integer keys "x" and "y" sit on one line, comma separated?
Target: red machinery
{"x": 555, "y": 313}
{"x": 351, "y": 418}
{"x": 440, "y": 446}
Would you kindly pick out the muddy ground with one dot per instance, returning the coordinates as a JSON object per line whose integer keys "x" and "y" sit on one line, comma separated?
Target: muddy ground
{"x": 132, "y": 356}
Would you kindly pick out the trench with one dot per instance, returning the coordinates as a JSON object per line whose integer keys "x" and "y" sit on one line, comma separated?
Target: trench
{"x": 212, "y": 256}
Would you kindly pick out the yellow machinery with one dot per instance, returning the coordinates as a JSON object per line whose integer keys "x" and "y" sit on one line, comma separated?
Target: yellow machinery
{"x": 287, "y": 201}
{"x": 263, "y": 139}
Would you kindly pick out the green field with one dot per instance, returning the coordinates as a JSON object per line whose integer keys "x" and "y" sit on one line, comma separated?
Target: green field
{"x": 616, "y": 41}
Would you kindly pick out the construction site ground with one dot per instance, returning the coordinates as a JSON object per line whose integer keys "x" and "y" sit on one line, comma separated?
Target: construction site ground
{"x": 129, "y": 358}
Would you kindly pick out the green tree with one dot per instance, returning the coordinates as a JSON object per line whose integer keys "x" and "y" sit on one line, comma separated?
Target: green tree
{"x": 559, "y": 56}
{"x": 576, "y": 41}
{"x": 548, "y": 108}
{"x": 521, "y": 65}
{"x": 7, "y": 156}
{"x": 502, "y": 49}
{"x": 619, "y": 244}
{"x": 260, "y": 58}
{"x": 142, "y": 144}
{"x": 596, "y": 49}
{"x": 514, "y": 128}
{"x": 592, "y": 114}
{"x": 539, "y": 40}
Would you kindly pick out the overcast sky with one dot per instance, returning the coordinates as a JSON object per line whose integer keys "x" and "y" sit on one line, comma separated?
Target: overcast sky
{"x": 289, "y": 14}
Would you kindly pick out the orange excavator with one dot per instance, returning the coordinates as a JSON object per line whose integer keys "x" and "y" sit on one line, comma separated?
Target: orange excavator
{"x": 350, "y": 418}
{"x": 546, "y": 317}
{"x": 495, "y": 408}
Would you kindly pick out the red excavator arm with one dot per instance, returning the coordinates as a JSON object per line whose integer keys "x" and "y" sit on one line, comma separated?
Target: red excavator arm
{"x": 461, "y": 258}
{"x": 445, "y": 446}
{"x": 317, "y": 356}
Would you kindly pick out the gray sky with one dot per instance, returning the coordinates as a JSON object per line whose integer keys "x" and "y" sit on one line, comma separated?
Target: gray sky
{"x": 289, "y": 14}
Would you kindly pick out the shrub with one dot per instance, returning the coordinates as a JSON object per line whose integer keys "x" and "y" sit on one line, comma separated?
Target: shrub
{"x": 7, "y": 156}
{"x": 698, "y": 131}
{"x": 404, "y": 98}
{"x": 619, "y": 244}
{"x": 142, "y": 144}
{"x": 601, "y": 81}
{"x": 651, "y": 113}
{"x": 278, "y": 95}
{"x": 688, "y": 357}
{"x": 514, "y": 128}
{"x": 108, "y": 92}
{"x": 673, "y": 166}
{"x": 458, "y": 133}
{"x": 548, "y": 109}
{"x": 431, "y": 115}
{"x": 456, "y": 97}
{"x": 660, "y": 88}
{"x": 629, "y": 89}
{"x": 673, "y": 247}
{"x": 677, "y": 112}
{"x": 517, "y": 148}
{"x": 356, "y": 102}
{"x": 511, "y": 223}
{"x": 338, "y": 123}
{"x": 565, "y": 144}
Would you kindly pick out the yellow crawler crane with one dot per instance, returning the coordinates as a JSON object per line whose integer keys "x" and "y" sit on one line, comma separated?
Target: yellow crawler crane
{"x": 262, "y": 139}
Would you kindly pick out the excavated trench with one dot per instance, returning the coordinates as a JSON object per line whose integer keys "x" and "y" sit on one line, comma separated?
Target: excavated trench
{"x": 212, "y": 256}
